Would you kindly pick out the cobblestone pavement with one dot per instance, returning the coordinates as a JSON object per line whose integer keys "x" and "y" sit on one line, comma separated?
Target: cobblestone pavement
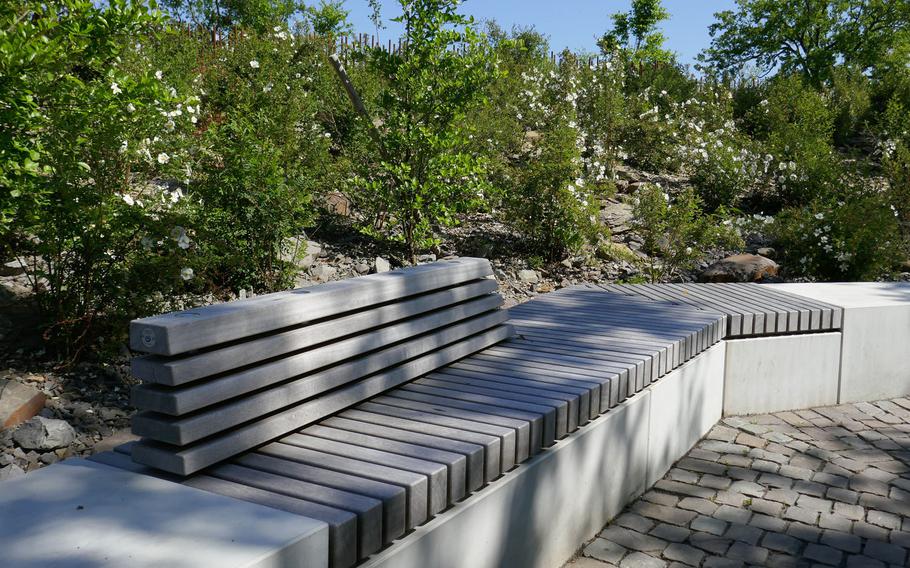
{"x": 822, "y": 487}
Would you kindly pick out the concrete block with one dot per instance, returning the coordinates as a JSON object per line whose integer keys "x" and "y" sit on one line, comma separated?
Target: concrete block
{"x": 876, "y": 334}
{"x": 539, "y": 513}
{"x": 79, "y": 513}
{"x": 773, "y": 374}
{"x": 685, "y": 404}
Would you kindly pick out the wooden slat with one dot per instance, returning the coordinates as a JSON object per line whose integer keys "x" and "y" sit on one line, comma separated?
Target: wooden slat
{"x": 180, "y": 332}
{"x": 189, "y": 459}
{"x": 181, "y": 370}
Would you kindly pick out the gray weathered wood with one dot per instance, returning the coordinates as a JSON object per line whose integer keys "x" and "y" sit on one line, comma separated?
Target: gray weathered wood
{"x": 189, "y": 459}
{"x": 179, "y": 332}
{"x": 181, "y": 370}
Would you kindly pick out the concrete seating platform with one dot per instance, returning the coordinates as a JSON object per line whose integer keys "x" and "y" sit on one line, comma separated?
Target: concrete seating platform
{"x": 509, "y": 451}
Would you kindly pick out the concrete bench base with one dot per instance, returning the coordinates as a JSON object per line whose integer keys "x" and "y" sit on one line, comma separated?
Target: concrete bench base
{"x": 80, "y": 513}
{"x": 788, "y": 372}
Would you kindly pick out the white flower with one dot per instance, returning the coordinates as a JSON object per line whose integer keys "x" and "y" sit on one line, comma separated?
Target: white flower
{"x": 254, "y": 64}
{"x": 131, "y": 107}
{"x": 128, "y": 199}
{"x": 169, "y": 126}
{"x": 190, "y": 109}
{"x": 183, "y": 242}
{"x": 115, "y": 88}
{"x": 158, "y": 74}
{"x": 819, "y": 216}
{"x": 186, "y": 273}
{"x": 163, "y": 158}
{"x": 124, "y": 146}
{"x": 177, "y": 231}
{"x": 193, "y": 119}
{"x": 267, "y": 88}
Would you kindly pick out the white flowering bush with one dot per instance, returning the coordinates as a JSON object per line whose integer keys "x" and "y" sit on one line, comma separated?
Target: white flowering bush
{"x": 98, "y": 230}
{"x": 258, "y": 150}
{"x": 677, "y": 232}
{"x": 855, "y": 237}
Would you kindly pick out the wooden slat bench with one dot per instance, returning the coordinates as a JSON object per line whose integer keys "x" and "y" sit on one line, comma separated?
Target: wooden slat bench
{"x": 375, "y": 462}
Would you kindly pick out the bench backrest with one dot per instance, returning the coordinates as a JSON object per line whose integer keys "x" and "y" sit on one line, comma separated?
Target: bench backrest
{"x": 223, "y": 379}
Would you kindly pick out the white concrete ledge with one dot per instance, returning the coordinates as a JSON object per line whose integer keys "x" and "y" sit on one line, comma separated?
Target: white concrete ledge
{"x": 789, "y": 372}
{"x": 79, "y": 514}
{"x": 875, "y": 354}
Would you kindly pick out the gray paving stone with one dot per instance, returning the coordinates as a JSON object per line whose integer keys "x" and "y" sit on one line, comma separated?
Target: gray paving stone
{"x": 633, "y": 540}
{"x": 639, "y": 560}
{"x": 782, "y": 543}
{"x": 810, "y": 488}
{"x": 842, "y": 495}
{"x": 852, "y": 512}
{"x": 605, "y": 550}
{"x": 749, "y": 488}
{"x": 885, "y": 552}
{"x": 701, "y": 466}
{"x": 744, "y": 473}
{"x": 748, "y": 553}
{"x": 823, "y": 554}
{"x": 685, "y": 554}
{"x": 732, "y": 498}
{"x": 842, "y": 541}
{"x": 710, "y": 542}
{"x": 835, "y": 522}
{"x": 882, "y": 519}
{"x": 766, "y": 507}
{"x": 661, "y": 513}
{"x": 635, "y": 522}
{"x": 814, "y": 504}
{"x": 747, "y": 534}
{"x": 804, "y": 532}
{"x": 784, "y": 496}
{"x": 831, "y": 480}
{"x": 708, "y": 525}
{"x": 670, "y": 533}
{"x": 732, "y": 514}
{"x": 660, "y": 498}
{"x": 682, "y": 475}
{"x": 775, "y": 480}
{"x": 873, "y": 532}
{"x": 703, "y": 506}
{"x": 720, "y": 562}
{"x": 859, "y": 561}
{"x": 796, "y": 513}
{"x": 714, "y": 482}
{"x": 768, "y": 523}
{"x": 684, "y": 489}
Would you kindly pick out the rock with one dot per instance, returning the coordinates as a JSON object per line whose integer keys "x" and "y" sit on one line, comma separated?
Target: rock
{"x": 339, "y": 204}
{"x": 41, "y": 433}
{"x": 617, "y": 216}
{"x": 13, "y": 268}
{"x": 18, "y": 403}
{"x": 740, "y": 268}
{"x": 361, "y": 268}
{"x": 766, "y": 252}
{"x": 300, "y": 251}
{"x": 425, "y": 258}
{"x": 11, "y": 472}
{"x": 382, "y": 265}
{"x": 905, "y": 266}
{"x": 323, "y": 272}
{"x": 544, "y": 288}
{"x": 528, "y": 276}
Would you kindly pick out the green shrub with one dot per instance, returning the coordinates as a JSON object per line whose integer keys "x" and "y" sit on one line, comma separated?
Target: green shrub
{"x": 855, "y": 238}
{"x": 259, "y": 157}
{"x": 105, "y": 224}
{"x": 796, "y": 126}
{"x": 850, "y": 102}
{"x": 676, "y": 232}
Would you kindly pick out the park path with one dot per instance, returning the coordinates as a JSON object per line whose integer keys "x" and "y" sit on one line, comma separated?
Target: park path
{"x": 822, "y": 487}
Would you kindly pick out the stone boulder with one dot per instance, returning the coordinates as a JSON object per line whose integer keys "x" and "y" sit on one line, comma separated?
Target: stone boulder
{"x": 617, "y": 216}
{"x": 528, "y": 276}
{"x": 18, "y": 403}
{"x": 382, "y": 265}
{"x": 740, "y": 268}
{"x": 42, "y": 433}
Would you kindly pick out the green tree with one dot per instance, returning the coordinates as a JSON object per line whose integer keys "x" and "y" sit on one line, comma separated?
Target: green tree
{"x": 329, "y": 18}
{"x": 221, "y": 15}
{"x": 426, "y": 169}
{"x": 808, "y": 37}
{"x": 636, "y": 35}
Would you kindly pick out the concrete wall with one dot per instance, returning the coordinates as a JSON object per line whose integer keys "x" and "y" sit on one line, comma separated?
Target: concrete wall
{"x": 772, "y": 374}
{"x": 875, "y": 356}
{"x": 540, "y": 513}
